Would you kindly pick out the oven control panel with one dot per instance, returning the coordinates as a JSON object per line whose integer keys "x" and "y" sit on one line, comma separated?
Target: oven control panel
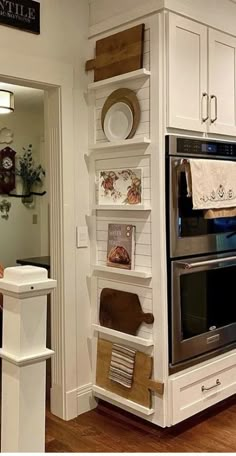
{"x": 202, "y": 147}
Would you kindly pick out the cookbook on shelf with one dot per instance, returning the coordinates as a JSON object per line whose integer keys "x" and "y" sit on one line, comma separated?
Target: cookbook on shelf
{"x": 121, "y": 246}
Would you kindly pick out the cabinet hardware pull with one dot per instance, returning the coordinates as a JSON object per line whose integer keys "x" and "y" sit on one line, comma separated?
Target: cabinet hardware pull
{"x": 205, "y": 95}
{"x": 216, "y": 108}
{"x": 204, "y": 388}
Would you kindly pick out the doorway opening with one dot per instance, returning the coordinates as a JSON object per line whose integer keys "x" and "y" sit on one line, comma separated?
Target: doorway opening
{"x": 24, "y": 189}
{"x": 24, "y": 229}
{"x": 56, "y": 79}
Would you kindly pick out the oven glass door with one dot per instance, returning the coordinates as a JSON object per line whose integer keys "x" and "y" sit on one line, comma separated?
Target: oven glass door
{"x": 191, "y": 233}
{"x": 203, "y": 306}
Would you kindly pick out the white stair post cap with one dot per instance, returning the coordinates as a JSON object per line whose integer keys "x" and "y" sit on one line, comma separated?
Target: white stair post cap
{"x": 26, "y": 279}
{"x": 25, "y": 274}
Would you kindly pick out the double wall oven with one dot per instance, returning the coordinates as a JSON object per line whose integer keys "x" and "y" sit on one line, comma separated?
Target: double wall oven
{"x": 201, "y": 262}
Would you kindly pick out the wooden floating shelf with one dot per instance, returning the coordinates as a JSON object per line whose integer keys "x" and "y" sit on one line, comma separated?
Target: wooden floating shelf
{"x": 115, "y": 399}
{"x": 126, "y": 272}
{"x": 107, "y": 207}
{"x": 124, "y": 144}
{"x": 121, "y": 78}
{"x": 126, "y": 337}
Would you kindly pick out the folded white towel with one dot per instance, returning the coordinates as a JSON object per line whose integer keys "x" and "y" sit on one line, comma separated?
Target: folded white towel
{"x": 213, "y": 183}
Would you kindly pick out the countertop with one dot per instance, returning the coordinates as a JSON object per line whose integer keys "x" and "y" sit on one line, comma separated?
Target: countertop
{"x": 41, "y": 262}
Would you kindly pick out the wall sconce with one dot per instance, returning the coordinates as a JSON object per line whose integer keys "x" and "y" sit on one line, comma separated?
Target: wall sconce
{"x": 6, "y": 101}
{"x": 5, "y": 208}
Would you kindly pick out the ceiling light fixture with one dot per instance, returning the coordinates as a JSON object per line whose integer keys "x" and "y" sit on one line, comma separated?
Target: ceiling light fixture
{"x": 6, "y": 101}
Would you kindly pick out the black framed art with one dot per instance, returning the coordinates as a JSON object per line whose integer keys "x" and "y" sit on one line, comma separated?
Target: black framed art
{"x": 21, "y": 14}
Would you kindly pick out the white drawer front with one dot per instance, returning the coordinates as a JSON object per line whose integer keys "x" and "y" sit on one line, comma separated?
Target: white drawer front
{"x": 190, "y": 391}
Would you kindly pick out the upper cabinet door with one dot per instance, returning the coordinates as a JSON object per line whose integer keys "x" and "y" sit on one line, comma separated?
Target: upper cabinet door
{"x": 222, "y": 83}
{"x": 187, "y": 74}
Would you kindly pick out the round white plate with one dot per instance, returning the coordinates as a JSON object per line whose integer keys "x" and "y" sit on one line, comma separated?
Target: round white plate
{"x": 118, "y": 122}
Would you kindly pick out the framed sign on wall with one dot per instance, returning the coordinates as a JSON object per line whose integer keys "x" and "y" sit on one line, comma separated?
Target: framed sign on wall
{"x": 21, "y": 14}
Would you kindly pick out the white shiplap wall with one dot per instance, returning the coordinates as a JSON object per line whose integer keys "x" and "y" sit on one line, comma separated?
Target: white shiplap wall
{"x": 142, "y": 89}
{"x": 142, "y": 220}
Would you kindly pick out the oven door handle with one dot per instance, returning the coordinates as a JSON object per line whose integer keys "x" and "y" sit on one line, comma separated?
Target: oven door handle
{"x": 199, "y": 264}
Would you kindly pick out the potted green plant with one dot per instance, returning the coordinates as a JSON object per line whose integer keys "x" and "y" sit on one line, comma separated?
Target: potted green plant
{"x": 30, "y": 174}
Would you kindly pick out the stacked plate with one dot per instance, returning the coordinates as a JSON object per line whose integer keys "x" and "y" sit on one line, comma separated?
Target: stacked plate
{"x": 120, "y": 115}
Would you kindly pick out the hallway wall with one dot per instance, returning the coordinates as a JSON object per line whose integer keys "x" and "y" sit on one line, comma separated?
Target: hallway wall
{"x": 19, "y": 237}
{"x": 63, "y": 26}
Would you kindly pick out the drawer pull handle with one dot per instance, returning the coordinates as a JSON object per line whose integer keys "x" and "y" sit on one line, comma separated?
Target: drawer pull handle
{"x": 205, "y": 95}
{"x": 204, "y": 388}
{"x": 213, "y": 97}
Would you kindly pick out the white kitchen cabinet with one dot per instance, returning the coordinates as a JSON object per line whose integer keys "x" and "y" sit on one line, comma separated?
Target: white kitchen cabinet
{"x": 222, "y": 82}
{"x": 187, "y": 71}
{"x": 202, "y": 386}
{"x": 201, "y": 78}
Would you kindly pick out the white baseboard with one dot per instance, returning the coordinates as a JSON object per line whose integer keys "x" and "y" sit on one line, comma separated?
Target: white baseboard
{"x": 56, "y": 401}
{"x": 77, "y": 401}
{"x": 71, "y": 405}
{"x": 85, "y": 399}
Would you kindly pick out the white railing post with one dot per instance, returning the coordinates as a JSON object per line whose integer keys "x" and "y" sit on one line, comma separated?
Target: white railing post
{"x": 24, "y": 355}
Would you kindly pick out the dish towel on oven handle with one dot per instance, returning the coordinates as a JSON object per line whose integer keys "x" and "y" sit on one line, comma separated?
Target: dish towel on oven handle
{"x": 122, "y": 365}
{"x": 213, "y": 183}
{"x": 219, "y": 213}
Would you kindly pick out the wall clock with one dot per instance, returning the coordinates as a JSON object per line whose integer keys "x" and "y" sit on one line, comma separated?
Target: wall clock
{"x": 7, "y": 170}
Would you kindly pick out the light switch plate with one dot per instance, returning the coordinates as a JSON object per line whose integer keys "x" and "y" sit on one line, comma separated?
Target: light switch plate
{"x": 81, "y": 237}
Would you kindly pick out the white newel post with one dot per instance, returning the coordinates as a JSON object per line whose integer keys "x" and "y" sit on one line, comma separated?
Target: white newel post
{"x": 24, "y": 355}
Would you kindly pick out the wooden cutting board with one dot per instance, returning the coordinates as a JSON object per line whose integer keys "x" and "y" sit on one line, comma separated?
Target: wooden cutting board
{"x": 142, "y": 385}
{"x": 122, "y": 311}
{"x": 118, "y": 54}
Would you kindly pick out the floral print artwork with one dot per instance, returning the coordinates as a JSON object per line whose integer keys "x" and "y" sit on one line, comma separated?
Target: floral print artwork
{"x": 120, "y": 186}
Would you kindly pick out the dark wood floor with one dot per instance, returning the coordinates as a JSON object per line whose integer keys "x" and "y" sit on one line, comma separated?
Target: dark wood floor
{"x": 108, "y": 429}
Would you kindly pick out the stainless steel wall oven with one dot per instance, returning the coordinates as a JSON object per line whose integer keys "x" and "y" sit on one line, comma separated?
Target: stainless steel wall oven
{"x": 201, "y": 262}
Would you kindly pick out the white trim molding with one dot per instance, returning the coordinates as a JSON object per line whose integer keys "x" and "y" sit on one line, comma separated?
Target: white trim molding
{"x": 83, "y": 396}
{"x": 85, "y": 399}
{"x": 62, "y": 243}
{"x": 26, "y": 360}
